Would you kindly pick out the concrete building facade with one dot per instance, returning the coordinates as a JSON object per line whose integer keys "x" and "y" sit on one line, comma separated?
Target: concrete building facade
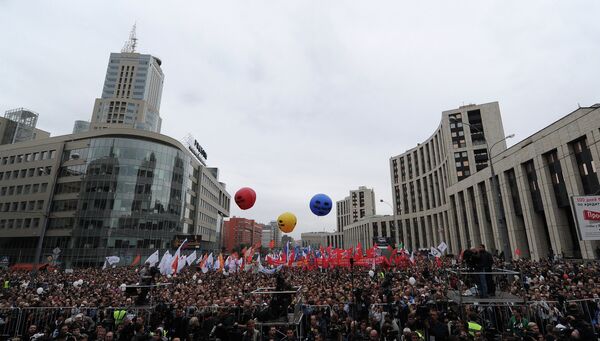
{"x": 443, "y": 188}
{"x": 536, "y": 177}
{"x": 358, "y": 205}
{"x": 322, "y": 239}
{"x": 368, "y": 231}
{"x": 420, "y": 176}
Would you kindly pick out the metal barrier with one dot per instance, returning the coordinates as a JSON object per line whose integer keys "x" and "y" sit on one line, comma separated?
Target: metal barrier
{"x": 14, "y": 322}
{"x": 9, "y": 321}
{"x": 543, "y": 313}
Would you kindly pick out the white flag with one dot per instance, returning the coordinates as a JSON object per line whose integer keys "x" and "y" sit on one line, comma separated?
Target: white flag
{"x": 110, "y": 260}
{"x": 209, "y": 261}
{"x": 191, "y": 258}
{"x": 181, "y": 263}
{"x": 153, "y": 259}
{"x": 442, "y": 247}
{"x": 435, "y": 252}
{"x": 165, "y": 264}
{"x": 217, "y": 264}
{"x": 260, "y": 266}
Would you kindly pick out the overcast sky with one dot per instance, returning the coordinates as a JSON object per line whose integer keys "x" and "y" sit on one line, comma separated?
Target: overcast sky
{"x": 305, "y": 97}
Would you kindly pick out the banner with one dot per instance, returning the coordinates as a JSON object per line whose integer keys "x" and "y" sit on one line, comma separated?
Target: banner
{"x": 586, "y": 211}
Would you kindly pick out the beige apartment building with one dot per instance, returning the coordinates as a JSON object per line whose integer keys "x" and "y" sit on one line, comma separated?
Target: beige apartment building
{"x": 358, "y": 205}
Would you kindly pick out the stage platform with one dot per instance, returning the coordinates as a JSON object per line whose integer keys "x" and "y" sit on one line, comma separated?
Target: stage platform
{"x": 501, "y": 298}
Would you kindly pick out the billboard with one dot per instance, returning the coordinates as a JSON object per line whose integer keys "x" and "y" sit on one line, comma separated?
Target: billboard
{"x": 586, "y": 213}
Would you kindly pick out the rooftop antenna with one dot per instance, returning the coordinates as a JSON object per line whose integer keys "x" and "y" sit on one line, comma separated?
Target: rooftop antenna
{"x": 131, "y": 43}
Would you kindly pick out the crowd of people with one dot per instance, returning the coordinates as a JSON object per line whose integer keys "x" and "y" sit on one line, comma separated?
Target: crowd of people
{"x": 406, "y": 303}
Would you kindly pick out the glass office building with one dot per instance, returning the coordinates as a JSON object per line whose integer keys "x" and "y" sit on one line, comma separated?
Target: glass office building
{"x": 120, "y": 192}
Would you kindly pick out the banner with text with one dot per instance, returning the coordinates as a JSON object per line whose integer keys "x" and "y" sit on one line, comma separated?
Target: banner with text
{"x": 586, "y": 211}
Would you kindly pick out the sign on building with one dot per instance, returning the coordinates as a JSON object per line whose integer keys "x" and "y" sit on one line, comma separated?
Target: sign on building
{"x": 586, "y": 213}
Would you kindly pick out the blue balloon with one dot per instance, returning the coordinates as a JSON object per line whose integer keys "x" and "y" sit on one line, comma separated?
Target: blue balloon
{"x": 320, "y": 204}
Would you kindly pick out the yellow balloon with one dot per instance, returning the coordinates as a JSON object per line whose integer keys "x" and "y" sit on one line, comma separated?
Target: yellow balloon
{"x": 286, "y": 222}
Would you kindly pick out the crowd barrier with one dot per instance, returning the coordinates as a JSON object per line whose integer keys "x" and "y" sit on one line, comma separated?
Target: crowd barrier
{"x": 15, "y": 321}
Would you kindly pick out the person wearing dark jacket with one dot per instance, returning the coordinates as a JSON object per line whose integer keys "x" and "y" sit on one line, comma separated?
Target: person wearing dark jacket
{"x": 179, "y": 325}
{"x": 485, "y": 261}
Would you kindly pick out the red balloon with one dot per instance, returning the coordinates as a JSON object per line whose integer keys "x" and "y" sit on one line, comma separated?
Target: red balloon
{"x": 245, "y": 198}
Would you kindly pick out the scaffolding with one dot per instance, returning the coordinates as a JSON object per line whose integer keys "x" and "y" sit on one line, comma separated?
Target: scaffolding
{"x": 493, "y": 312}
{"x": 464, "y": 295}
{"x": 293, "y": 319}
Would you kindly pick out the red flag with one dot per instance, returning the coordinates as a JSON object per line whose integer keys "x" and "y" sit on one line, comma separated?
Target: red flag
{"x": 175, "y": 264}
{"x": 371, "y": 252}
{"x": 136, "y": 260}
{"x": 271, "y": 244}
{"x": 518, "y": 252}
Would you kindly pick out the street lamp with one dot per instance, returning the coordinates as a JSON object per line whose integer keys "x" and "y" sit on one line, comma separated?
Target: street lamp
{"x": 495, "y": 190}
{"x": 387, "y": 203}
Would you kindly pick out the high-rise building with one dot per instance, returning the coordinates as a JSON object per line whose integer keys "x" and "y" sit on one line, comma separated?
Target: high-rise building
{"x": 358, "y": 205}
{"x": 132, "y": 92}
{"x": 19, "y": 125}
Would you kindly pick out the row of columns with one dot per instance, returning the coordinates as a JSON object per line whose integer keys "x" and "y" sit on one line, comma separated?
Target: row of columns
{"x": 534, "y": 234}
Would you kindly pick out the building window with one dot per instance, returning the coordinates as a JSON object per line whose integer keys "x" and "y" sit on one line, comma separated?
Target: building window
{"x": 558, "y": 183}
{"x": 585, "y": 164}
{"x": 514, "y": 191}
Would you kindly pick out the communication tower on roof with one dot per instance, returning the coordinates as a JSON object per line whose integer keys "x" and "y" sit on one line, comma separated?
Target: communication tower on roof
{"x": 131, "y": 43}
